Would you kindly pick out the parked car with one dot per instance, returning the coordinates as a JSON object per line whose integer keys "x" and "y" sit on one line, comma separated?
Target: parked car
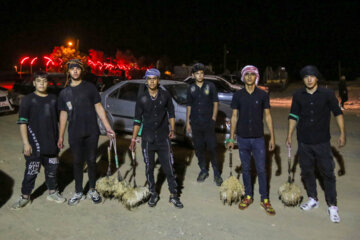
{"x": 119, "y": 102}
{"x": 5, "y": 102}
{"x": 225, "y": 89}
{"x": 232, "y": 78}
{"x": 24, "y": 86}
{"x": 105, "y": 82}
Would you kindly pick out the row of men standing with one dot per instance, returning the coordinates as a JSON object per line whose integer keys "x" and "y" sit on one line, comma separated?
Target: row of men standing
{"x": 310, "y": 112}
{"x": 79, "y": 103}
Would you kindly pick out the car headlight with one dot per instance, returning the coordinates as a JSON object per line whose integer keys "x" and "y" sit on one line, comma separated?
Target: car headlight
{"x": 227, "y": 123}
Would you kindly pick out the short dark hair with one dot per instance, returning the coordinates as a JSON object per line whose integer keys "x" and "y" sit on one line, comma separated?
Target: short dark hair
{"x": 198, "y": 67}
{"x": 40, "y": 74}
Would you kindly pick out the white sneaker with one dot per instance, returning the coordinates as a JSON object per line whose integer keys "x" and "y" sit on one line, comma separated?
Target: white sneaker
{"x": 76, "y": 198}
{"x": 20, "y": 203}
{"x": 56, "y": 197}
{"x": 310, "y": 204}
{"x": 334, "y": 215}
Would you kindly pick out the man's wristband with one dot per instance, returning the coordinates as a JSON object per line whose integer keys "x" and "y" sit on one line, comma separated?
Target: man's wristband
{"x": 229, "y": 140}
{"x": 133, "y": 139}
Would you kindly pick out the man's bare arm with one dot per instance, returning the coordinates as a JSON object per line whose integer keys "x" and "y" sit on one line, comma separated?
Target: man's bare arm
{"x": 341, "y": 124}
{"x": 269, "y": 123}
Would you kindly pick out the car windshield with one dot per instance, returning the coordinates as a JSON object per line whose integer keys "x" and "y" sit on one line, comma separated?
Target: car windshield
{"x": 178, "y": 92}
{"x": 220, "y": 85}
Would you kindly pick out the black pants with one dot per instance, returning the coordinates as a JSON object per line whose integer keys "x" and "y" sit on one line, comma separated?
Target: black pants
{"x": 204, "y": 136}
{"x": 33, "y": 164}
{"x": 320, "y": 156}
{"x": 166, "y": 159}
{"x": 84, "y": 149}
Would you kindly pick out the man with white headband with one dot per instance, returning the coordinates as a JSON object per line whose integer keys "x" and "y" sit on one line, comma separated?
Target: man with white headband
{"x": 249, "y": 105}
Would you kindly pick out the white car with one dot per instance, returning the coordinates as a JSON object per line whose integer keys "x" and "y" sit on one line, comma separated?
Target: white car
{"x": 5, "y": 102}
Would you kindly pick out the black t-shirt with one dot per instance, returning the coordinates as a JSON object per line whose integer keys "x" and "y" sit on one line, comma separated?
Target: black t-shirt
{"x": 201, "y": 100}
{"x": 312, "y": 113}
{"x": 250, "y": 112}
{"x": 154, "y": 114}
{"x": 79, "y": 102}
{"x": 41, "y": 116}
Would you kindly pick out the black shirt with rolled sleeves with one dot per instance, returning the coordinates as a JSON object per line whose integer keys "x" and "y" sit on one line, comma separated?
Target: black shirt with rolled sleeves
{"x": 79, "y": 102}
{"x": 250, "y": 112}
{"x": 312, "y": 113}
{"x": 201, "y": 100}
{"x": 40, "y": 114}
{"x": 154, "y": 114}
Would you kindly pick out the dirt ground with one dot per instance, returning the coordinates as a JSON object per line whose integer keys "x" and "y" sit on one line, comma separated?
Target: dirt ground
{"x": 203, "y": 217}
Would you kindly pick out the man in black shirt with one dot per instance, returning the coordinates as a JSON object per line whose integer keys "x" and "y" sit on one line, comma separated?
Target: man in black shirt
{"x": 249, "y": 105}
{"x": 201, "y": 112}
{"x": 79, "y": 103}
{"x": 155, "y": 110}
{"x": 38, "y": 120}
{"x": 310, "y": 114}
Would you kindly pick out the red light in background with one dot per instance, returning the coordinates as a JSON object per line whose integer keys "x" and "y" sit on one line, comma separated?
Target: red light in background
{"x": 7, "y": 86}
{"x": 33, "y": 60}
{"x": 23, "y": 60}
{"x": 49, "y": 60}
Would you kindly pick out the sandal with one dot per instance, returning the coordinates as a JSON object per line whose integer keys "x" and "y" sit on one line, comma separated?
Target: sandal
{"x": 245, "y": 202}
{"x": 268, "y": 208}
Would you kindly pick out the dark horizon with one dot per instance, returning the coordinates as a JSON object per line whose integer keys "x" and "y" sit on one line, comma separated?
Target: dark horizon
{"x": 262, "y": 33}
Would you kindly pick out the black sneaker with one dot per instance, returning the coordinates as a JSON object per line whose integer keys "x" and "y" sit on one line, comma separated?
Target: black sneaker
{"x": 202, "y": 176}
{"x": 218, "y": 180}
{"x": 154, "y": 198}
{"x": 174, "y": 199}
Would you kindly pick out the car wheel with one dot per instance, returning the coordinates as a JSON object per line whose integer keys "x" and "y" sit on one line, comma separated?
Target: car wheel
{"x": 101, "y": 125}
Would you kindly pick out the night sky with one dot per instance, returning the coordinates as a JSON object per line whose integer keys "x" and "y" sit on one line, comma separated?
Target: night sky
{"x": 256, "y": 32}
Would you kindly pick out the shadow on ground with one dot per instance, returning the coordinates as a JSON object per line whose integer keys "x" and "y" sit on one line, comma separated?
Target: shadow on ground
{"x": 183, "y": 155}
{"x": 6, "y": 186}
{"x": 65, "y": 171}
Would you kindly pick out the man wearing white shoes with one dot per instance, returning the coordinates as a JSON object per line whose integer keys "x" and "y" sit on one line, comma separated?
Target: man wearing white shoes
{"x": 310, "y": 113}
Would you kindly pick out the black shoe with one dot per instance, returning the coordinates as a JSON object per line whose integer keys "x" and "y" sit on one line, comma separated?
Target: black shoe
{"x": 154, "y": 198}
{"x": 174, "y": 199}
{"x": 202, "y": 176}
{"x": 218, "y": 180}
